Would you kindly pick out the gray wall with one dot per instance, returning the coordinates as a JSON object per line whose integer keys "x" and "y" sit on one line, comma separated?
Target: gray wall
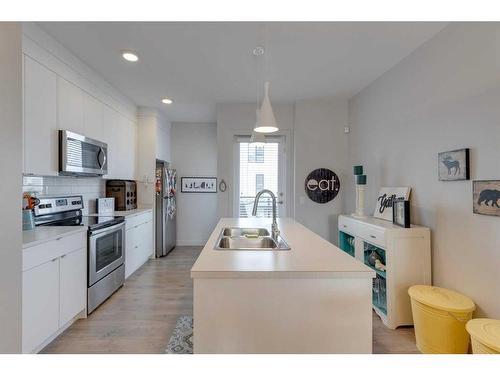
{"x": 444, "y": 96}
{"x": 11, "y": 187}
{"x": 320, "y": 142}
{"x": 194, "y": 153}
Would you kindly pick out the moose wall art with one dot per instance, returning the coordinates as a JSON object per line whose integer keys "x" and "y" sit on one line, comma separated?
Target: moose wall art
{"x": 453, "y": 165}
{"x": 486, "y": 196}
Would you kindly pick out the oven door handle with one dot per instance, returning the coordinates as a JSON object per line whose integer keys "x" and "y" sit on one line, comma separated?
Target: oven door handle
{"x": 113, "y": 228}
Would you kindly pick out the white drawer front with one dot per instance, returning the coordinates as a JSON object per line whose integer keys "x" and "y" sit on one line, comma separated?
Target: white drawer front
{"x": 346, "y": 225}
{"x": 36, "y": 255}
{"x": 372, "y": 235}
{"x": 131, "y": 222}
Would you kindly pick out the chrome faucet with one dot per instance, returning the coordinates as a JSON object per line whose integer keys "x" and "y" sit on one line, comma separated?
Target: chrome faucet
{"x": 274, "y": 228}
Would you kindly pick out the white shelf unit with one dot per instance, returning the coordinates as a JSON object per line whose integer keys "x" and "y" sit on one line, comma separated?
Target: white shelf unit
{"x": 407, "y": 255}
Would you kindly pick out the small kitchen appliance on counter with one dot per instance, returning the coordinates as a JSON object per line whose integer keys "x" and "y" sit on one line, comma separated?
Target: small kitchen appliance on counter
{"x": 105, "y": 243}
{"x": 124, "y": 192}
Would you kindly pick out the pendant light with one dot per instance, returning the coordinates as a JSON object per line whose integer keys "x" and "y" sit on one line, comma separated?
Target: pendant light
{"x": 257, "y": 139}
{"x": 266, "y": 122}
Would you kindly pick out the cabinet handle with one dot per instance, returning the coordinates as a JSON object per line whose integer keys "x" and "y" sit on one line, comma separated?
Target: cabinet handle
{"x": 372, "y": 236}
{"x": 62, "y": 256}
{"x": 345, "y": 226}
{"x": 58, "y": 238}
{"x": 53, "y": 260}
{"x": 135, "y": 247}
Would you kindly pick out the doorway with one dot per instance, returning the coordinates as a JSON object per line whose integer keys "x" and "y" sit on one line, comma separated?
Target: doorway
{"x": 258, "y": 167}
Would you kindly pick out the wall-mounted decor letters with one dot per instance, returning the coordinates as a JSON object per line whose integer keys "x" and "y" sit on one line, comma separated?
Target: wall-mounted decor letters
{"x": 199, "y": 185}
{"x": 386, "y": 197}
{"x": 486, "y": 196}
{"x": 322, "y": 185}
{"x": 454, "y": 165}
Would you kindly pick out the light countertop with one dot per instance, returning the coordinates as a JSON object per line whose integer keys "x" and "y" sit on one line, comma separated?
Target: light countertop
{"x": 310, "y": 256}
{"x": 128, "y": 213}
{"x": 43, "y": 234}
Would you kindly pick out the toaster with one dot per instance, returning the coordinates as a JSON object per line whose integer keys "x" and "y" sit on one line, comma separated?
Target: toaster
{"x": 124, "y": 192}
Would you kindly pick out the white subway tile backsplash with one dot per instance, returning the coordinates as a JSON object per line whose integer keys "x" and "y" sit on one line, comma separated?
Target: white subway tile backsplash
{"x": 90, "y": 188}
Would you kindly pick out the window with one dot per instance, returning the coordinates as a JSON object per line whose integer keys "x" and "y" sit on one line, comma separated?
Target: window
{"x": 259, "y": 183}
{"x": 258, "y": 169}
{"x": 255, "y": 154}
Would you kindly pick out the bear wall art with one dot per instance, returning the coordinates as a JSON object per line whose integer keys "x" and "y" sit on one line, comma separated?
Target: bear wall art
{"x": 486, "y": 196}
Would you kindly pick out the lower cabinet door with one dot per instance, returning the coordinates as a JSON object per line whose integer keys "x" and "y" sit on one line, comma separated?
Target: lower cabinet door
{"x": 73, "y": 284}
{"x": 40, "y": 304}
{"x": 130, "y": 251}
{"x": 146, "y": 243}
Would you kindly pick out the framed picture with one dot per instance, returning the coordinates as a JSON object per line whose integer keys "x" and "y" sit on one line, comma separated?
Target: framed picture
{"x": 454, "y": 165}
{"x": 486, "y": 197}
{"x": 401, "y": 213}
{"x": 199, "y": 185}
{"x": 386, "y": 197}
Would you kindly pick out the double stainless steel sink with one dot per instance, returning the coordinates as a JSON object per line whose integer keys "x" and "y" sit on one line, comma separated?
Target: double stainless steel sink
{"x": 249, "y": 239}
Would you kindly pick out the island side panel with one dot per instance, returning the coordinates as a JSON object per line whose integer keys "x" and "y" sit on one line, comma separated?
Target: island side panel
{"x": 282, "y": 315}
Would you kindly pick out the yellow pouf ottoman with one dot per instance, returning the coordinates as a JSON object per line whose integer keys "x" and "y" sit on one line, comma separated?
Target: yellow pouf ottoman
{"x": 485, "y": 335}
{"x": 439, "y": 317}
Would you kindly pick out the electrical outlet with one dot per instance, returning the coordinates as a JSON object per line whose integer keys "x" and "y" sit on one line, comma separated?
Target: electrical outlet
{"x": 347, "y": 130}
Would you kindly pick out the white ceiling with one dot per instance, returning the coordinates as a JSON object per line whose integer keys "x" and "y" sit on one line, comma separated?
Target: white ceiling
{"x": 201, "y": 64}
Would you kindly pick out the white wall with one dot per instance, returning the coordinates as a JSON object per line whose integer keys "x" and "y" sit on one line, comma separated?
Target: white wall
{"x": 10, "y": 168}
{"x": 194, "y": 153}
{"x": 320, "y": 142}
{"x": 442, "y": 97}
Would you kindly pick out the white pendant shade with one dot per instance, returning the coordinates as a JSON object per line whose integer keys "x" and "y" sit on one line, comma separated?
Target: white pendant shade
{"x": 257, "y": 139}
{"x": 266, "y": 123}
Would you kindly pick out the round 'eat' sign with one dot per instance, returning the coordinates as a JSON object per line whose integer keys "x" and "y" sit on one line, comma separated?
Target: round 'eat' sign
{"x": 322, "y": 185}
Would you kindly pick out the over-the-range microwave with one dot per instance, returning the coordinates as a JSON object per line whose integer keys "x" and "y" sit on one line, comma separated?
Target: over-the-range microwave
{"x": 80, "y": 155}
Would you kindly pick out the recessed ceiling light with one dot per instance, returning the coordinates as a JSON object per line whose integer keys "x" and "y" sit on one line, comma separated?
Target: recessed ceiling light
{"x": 167, "y": 101}
{"x": 130, "y": 56}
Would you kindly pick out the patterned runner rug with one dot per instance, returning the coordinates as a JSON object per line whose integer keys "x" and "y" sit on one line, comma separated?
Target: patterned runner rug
{"x": 181, "y": 341}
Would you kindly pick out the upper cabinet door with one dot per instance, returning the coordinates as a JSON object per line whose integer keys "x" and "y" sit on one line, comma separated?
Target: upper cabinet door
{"x": 93, "y": 117}
{"x": 70, "y": 107}
{"x": 40, "y": 119}
{"x": 110, "y": 135}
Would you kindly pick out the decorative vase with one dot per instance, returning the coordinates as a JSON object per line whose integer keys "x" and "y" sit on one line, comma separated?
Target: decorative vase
{"x": 360, "y": 195}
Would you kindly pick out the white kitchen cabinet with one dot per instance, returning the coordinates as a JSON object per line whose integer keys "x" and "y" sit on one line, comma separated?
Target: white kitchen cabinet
{"x": 70, "y": 107}
{"x": 109, "y": 136}
{"x": 93, "y": 116}
{"x": 40, "y": 119}
{"x": 73, "y": 285}
{"x": 40, "y": 304}
{"x": 54, "y": 288}
{"x": 139, "y": 242}
{"x": 406, "y": 254}
{"x": 121, "y": 136}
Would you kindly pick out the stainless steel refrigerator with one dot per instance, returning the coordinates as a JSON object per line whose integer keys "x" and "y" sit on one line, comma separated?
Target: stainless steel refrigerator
{"x": 166, "y": 209}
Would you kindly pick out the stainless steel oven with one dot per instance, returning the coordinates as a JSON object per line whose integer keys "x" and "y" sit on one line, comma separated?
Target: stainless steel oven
{"x": 80, "y": 155}
{"x": 106, "y": 263}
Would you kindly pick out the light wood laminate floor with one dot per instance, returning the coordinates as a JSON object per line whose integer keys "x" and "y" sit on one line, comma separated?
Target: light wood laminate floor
{"x": 140, "y": 317}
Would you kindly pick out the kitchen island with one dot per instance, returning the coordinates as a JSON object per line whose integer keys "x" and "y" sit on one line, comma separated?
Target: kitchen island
{"x": 313, "y": 298}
